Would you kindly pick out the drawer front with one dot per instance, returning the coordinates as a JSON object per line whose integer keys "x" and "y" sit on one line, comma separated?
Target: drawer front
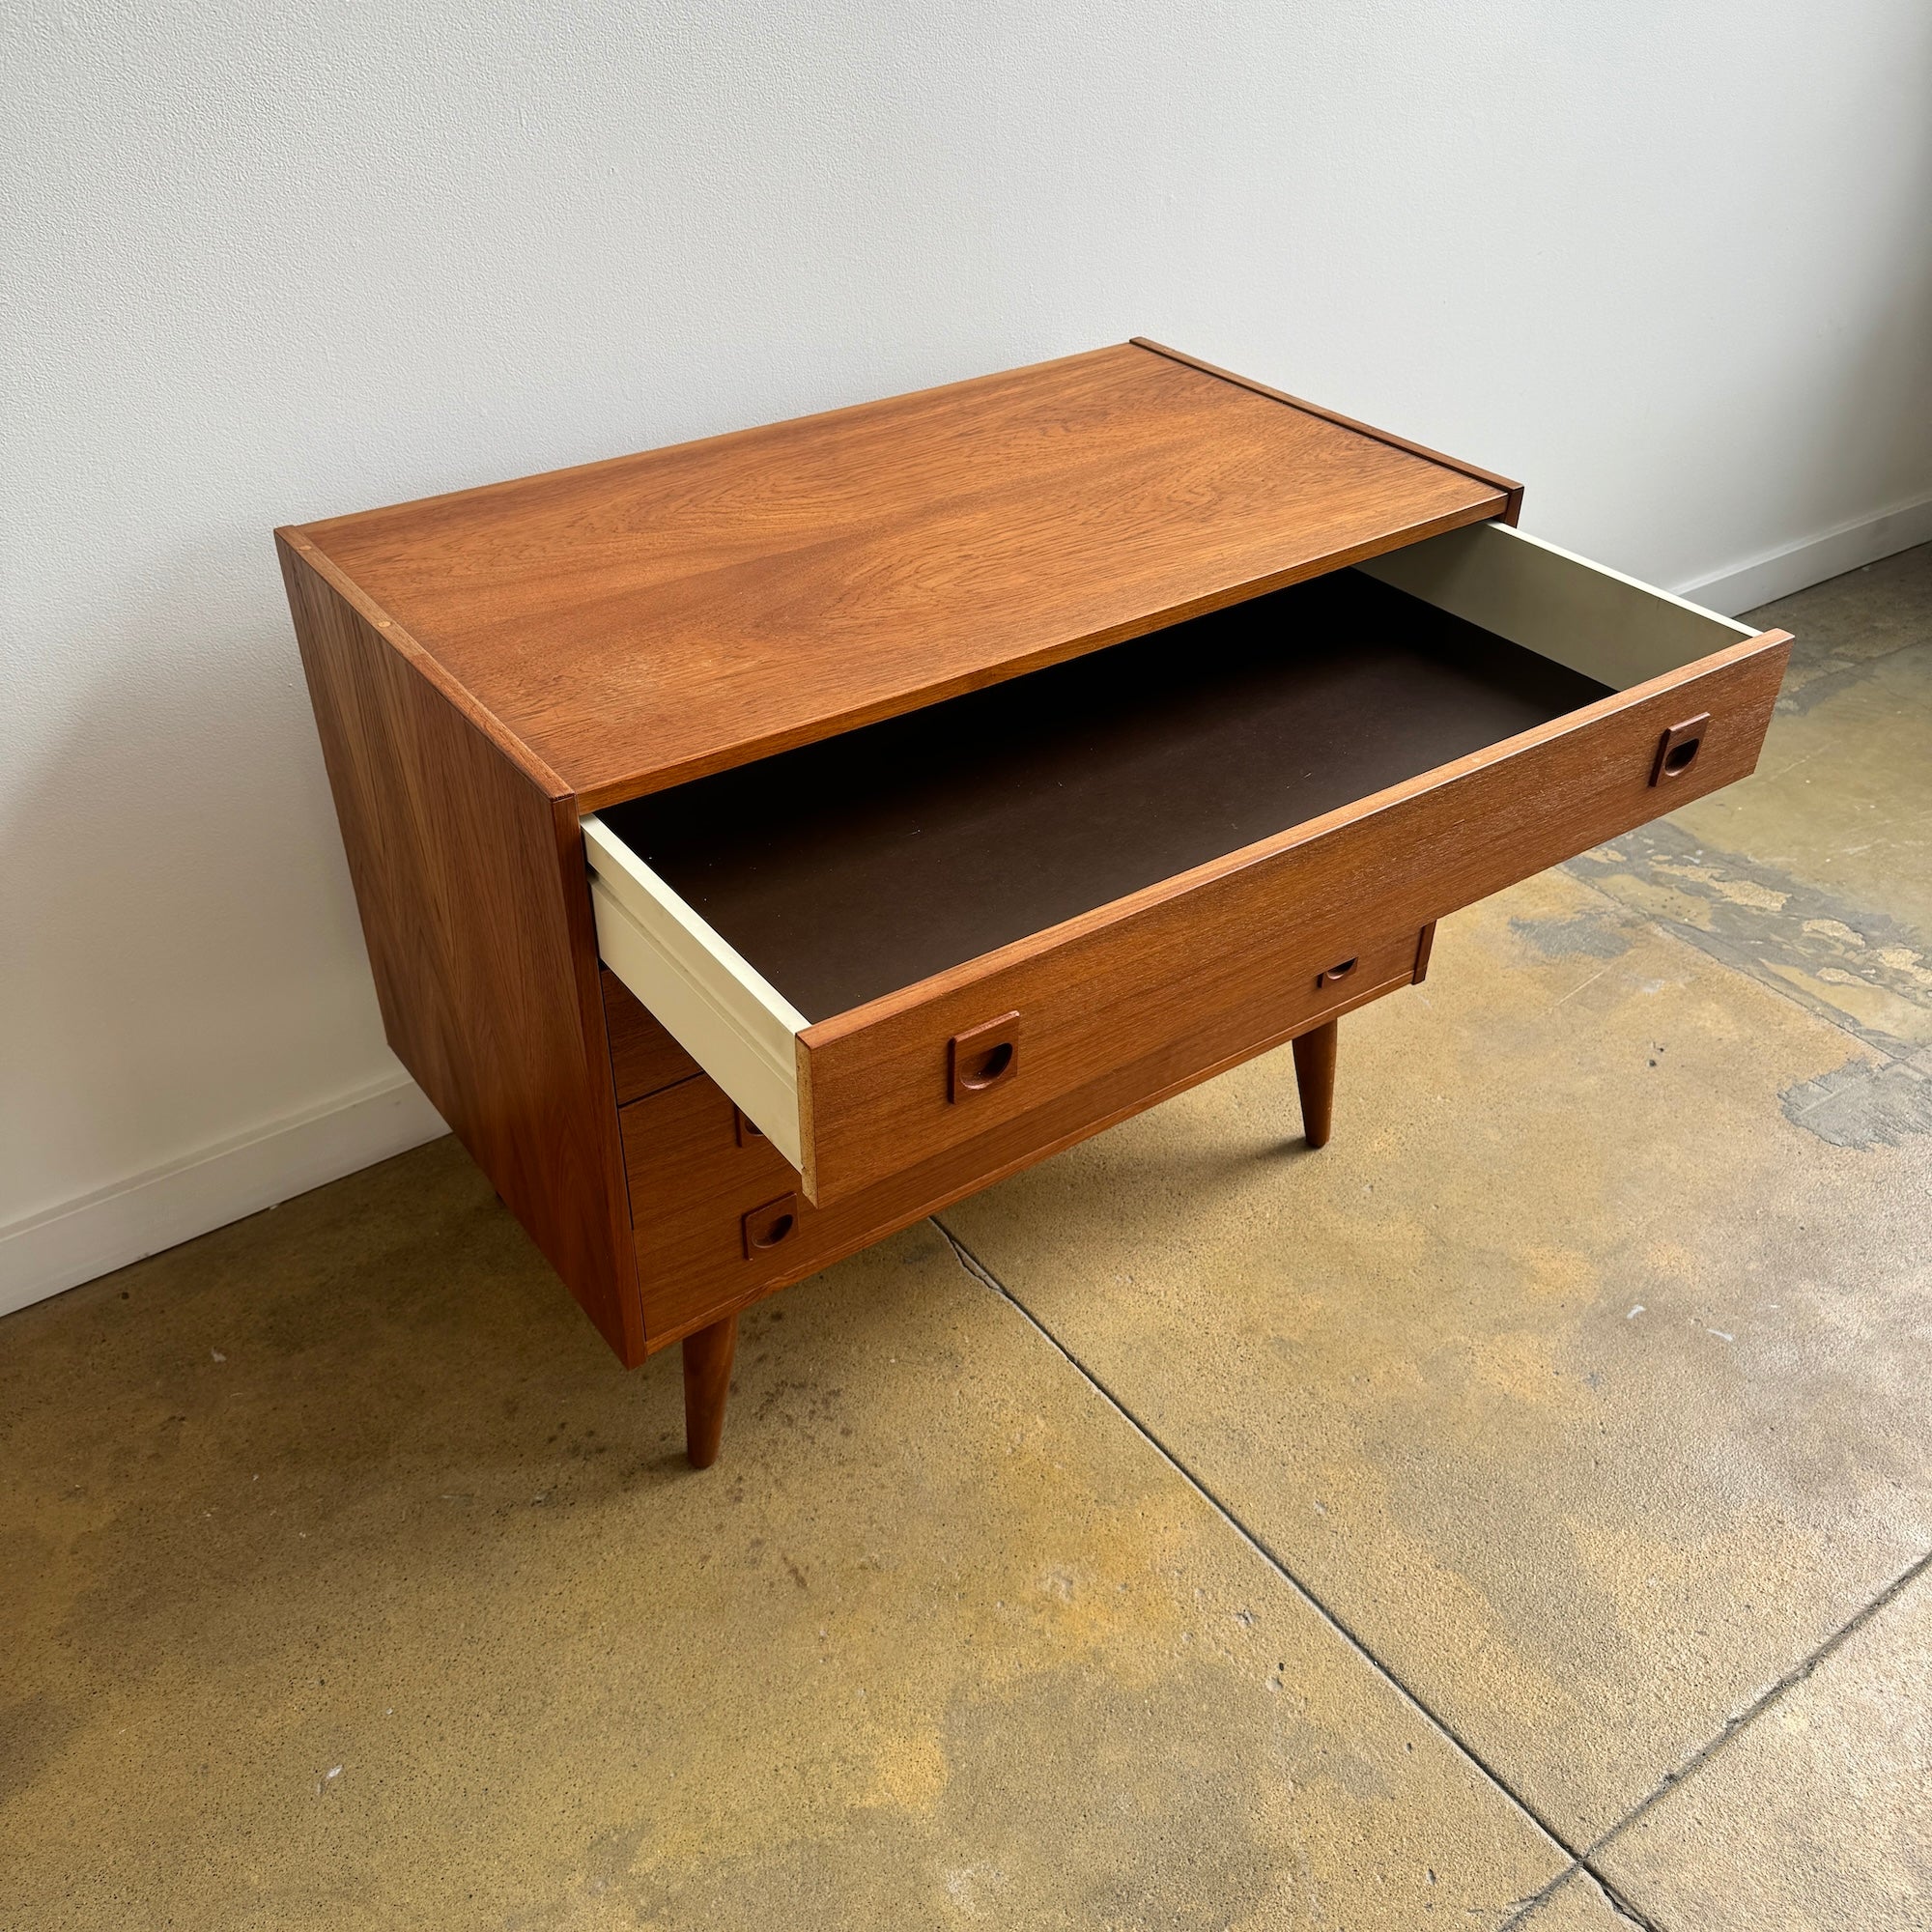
{"x": 694, "y": 1177}
{"x": 644, "y": 1057}
{"x": 1210, "y": 955}
{"x": 707, "y": 1193}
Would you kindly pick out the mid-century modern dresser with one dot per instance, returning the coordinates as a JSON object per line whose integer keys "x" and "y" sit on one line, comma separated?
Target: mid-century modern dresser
{"x": 764, "y": 842}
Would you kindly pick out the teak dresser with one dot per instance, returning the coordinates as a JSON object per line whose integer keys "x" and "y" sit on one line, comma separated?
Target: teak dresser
{"x": 763, "y": 842}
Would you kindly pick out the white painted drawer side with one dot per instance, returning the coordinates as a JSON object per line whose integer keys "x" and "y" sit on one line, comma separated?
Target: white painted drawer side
{"x": 731, "y": 1020}
{"x": 1563, "y": 607}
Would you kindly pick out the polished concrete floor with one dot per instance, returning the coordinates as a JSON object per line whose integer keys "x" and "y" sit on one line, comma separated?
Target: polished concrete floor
{"x": 1516, "y": 1515}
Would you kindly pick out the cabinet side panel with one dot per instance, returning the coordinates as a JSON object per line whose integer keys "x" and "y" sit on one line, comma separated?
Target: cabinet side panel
{"x": 471, "y": 883}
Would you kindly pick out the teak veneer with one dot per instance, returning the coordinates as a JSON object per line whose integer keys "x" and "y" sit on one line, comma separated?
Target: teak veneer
{"x": 764, "y": 842}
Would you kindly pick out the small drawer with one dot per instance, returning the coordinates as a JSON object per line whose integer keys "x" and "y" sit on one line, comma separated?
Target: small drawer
{"x": 644, "y": 1057}
{"x": 717, "y": 1211}
{"x": 706, "y": 1206}
{"x": 1161, "y": 855}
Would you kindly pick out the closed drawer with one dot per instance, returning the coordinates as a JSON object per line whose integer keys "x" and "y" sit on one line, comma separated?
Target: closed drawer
{"x": 720, "y": 1216}
{"x": 644, "y": 1057}
{"x": 887, "y": 945}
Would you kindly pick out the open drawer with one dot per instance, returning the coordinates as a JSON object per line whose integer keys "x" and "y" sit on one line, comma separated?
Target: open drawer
{"x": 884, "y": 944}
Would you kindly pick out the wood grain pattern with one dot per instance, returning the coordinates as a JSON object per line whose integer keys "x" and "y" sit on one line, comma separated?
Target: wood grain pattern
{"x": 642, "y": 621}
{"x": 1191, "y": 954}
{"x": 693, "y": 1181}
{"x": 469, "y": 880}
{"x": 292, "y": 542}
{"x": 1512, "y": 490}
{"x": 644, "y": 1057}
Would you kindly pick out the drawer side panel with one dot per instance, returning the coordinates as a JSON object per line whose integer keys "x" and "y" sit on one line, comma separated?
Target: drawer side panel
{"x": 710, "y": 1028}
{"x": 1597, "y": 621}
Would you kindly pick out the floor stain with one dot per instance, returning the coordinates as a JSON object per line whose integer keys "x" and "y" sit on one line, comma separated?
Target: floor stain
{"x": 1862, "y": 1105}
{"x": 1858, "y": 968}
{"x": 1846, "y": 625}
{"x": 1586, "y": 935}
{"x": 32, "y": 1731}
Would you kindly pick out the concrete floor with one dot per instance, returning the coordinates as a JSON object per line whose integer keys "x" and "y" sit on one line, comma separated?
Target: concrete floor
{"x": 1516, "y": 1514}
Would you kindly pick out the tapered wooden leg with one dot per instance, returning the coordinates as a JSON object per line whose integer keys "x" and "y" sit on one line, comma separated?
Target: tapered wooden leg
{"x": 707, "y": 1382}
{"x": 1315, "y": 1075}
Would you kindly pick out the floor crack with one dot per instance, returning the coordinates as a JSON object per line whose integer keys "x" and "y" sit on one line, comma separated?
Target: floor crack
{"x": 1583, "y": 1860}
{"x": 1621, "y": 1905}
{"x": 1542, "y": 1897}
{"x": 979, "y": 1271}
{"x": 1742, "y": 1720}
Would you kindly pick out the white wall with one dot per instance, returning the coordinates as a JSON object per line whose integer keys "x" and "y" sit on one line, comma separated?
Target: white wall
{"x": 1666, "y": 259}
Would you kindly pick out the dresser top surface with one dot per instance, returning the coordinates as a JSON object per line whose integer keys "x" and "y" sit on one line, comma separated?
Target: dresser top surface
{"x": 635, "y": 623}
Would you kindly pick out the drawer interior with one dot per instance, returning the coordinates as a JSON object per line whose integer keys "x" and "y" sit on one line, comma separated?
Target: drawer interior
{"x": 850, "y": 868}
{"x": 744, "y": 908}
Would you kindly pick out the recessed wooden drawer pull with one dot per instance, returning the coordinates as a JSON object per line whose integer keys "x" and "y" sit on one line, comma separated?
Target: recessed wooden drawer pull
{"x": 983, "y": 1055}
{"x": 1677, "y": 752}
{"x": 766, "y": 1227}
{"x": 1336, "y": 973}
